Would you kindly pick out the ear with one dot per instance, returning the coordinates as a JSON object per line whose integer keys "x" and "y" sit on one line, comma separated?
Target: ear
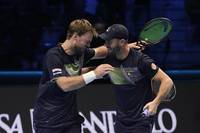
{"x": 122, "y": 41}
{"x": 75, "y": 36}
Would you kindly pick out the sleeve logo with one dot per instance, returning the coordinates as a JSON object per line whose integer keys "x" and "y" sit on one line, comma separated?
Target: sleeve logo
{"x": 56, "y": 71}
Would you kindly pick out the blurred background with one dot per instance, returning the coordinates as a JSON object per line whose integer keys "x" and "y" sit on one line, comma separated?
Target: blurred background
{"x": 28, "y": 28}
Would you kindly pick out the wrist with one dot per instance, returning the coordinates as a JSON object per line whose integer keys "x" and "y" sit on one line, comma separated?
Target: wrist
{"x": 89, "y": 77}
{"x": 157, "y": 100}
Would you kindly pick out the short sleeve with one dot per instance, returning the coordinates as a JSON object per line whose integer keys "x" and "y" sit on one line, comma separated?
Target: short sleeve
{"x": 89, "y": 53}
{"x": 55, "y": 66}
{"x": 147, "y": 66}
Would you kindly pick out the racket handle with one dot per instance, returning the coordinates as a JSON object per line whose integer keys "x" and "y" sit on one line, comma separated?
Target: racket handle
{"x": 141, "y": 44}
{"x": 146, "y": 112}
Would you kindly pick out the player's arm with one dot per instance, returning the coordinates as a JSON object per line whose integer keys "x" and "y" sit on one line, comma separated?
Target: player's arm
{"x": 87, "y": 69}
{"x": 166, "y": 84}
{"x": 154, "y": 73}
{"x": 165, "y": 87}
{"x": 64, "y": 80}
{"x": 70, "y": 83}
{"x": 102, "y": 51}
{"x": 148, "y": 68}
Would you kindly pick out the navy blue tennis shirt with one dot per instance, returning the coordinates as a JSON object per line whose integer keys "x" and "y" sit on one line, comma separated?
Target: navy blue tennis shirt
{"x": 132, "y": 97}
{"x": 54, "y": 107}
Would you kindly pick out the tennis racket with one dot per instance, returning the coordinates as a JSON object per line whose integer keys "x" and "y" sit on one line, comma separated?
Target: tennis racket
{"x": 155, "y": 31}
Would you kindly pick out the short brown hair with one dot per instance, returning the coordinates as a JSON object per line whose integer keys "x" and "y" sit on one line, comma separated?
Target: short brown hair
{"x": 80, "y": 26}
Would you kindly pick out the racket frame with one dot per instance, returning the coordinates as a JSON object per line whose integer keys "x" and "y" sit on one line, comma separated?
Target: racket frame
{"x": 149, "y": 22}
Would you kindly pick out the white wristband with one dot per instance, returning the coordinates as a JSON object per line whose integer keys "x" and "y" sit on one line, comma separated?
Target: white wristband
{"x": 89, "y": 77}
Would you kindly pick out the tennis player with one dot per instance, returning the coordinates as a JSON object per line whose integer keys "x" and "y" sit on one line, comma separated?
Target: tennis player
{"x": 55, "y": 110}
{"x": 136, "y": 104}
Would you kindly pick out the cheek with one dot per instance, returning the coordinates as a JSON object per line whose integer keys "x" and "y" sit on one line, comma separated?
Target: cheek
{"x": 80, "y": 42}
{"x": 77, "y": 41}
{"x": 113, "y": 45}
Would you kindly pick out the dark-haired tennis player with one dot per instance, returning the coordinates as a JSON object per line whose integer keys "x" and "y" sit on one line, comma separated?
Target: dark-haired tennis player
{"x": 131, "y": 78}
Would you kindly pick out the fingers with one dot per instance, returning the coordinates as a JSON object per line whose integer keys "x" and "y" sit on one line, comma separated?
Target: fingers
{"x": 137, "y": 47}
{"x": 107, "y": 67}
{"x": 149, "y": 109}
{"x": 145, "y": 107}
{"x": 134, "y": 45}
{"x": 151, "y": 112}
{"x": 142, "y": 43}
{"x": 103, "y": 69}
{"x": 145, "y": 112}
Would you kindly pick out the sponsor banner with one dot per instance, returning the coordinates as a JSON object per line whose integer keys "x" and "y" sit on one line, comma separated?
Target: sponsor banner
{"x": 95, "y": 122}
{"x": 97, "y": 105}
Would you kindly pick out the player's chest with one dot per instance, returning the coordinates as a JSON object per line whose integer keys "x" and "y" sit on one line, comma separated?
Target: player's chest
{"x": 73, "y": 67}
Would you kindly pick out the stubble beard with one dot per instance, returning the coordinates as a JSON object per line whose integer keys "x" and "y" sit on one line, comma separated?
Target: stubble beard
{"x": 78, "y": 51}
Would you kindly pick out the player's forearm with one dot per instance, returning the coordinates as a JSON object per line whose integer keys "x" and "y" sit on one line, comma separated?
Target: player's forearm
{"x": 165, "y": 87}
{"x": 87, "y": 69}
{"x": 70, "y": 83}
{"x": 75, "y": 82}
{"x": 100, "y": 52}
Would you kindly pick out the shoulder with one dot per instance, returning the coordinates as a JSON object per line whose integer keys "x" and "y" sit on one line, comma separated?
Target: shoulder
{"x": 89, "y": 50}
{"x": 53, "y": 55}
{"x": 140, "y": 55}
{"x": 137, "y": 53}
{"x": 110, "y": 59}
{"x": 54, "y": 50}
{"x": 89, "y": 53}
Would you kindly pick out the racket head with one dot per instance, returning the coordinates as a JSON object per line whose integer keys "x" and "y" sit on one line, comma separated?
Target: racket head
{"x": 156, "y": 30}
{"x": 155, "y": 85}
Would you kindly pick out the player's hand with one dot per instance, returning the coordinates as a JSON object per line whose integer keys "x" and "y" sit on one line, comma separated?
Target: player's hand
{"x": 151, "y": 107}
{"x": 134, "y": 45}
{"x": 140, "y": 45}
{"x": 102, "y": 70}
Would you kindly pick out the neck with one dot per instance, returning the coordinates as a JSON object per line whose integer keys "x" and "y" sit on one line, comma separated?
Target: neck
{"x": 68, "y": 47}
{"x": 123, "y": 53}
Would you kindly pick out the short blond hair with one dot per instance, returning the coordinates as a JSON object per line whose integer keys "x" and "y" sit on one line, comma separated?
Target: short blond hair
{"x": 80, "y": 26}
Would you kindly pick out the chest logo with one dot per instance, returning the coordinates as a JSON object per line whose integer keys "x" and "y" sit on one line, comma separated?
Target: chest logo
{"x": 72, "y": 69}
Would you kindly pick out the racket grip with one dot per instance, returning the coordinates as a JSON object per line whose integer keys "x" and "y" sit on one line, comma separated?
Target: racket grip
{"x": 141, "y": 44}
{"x": 145, "y": 113}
